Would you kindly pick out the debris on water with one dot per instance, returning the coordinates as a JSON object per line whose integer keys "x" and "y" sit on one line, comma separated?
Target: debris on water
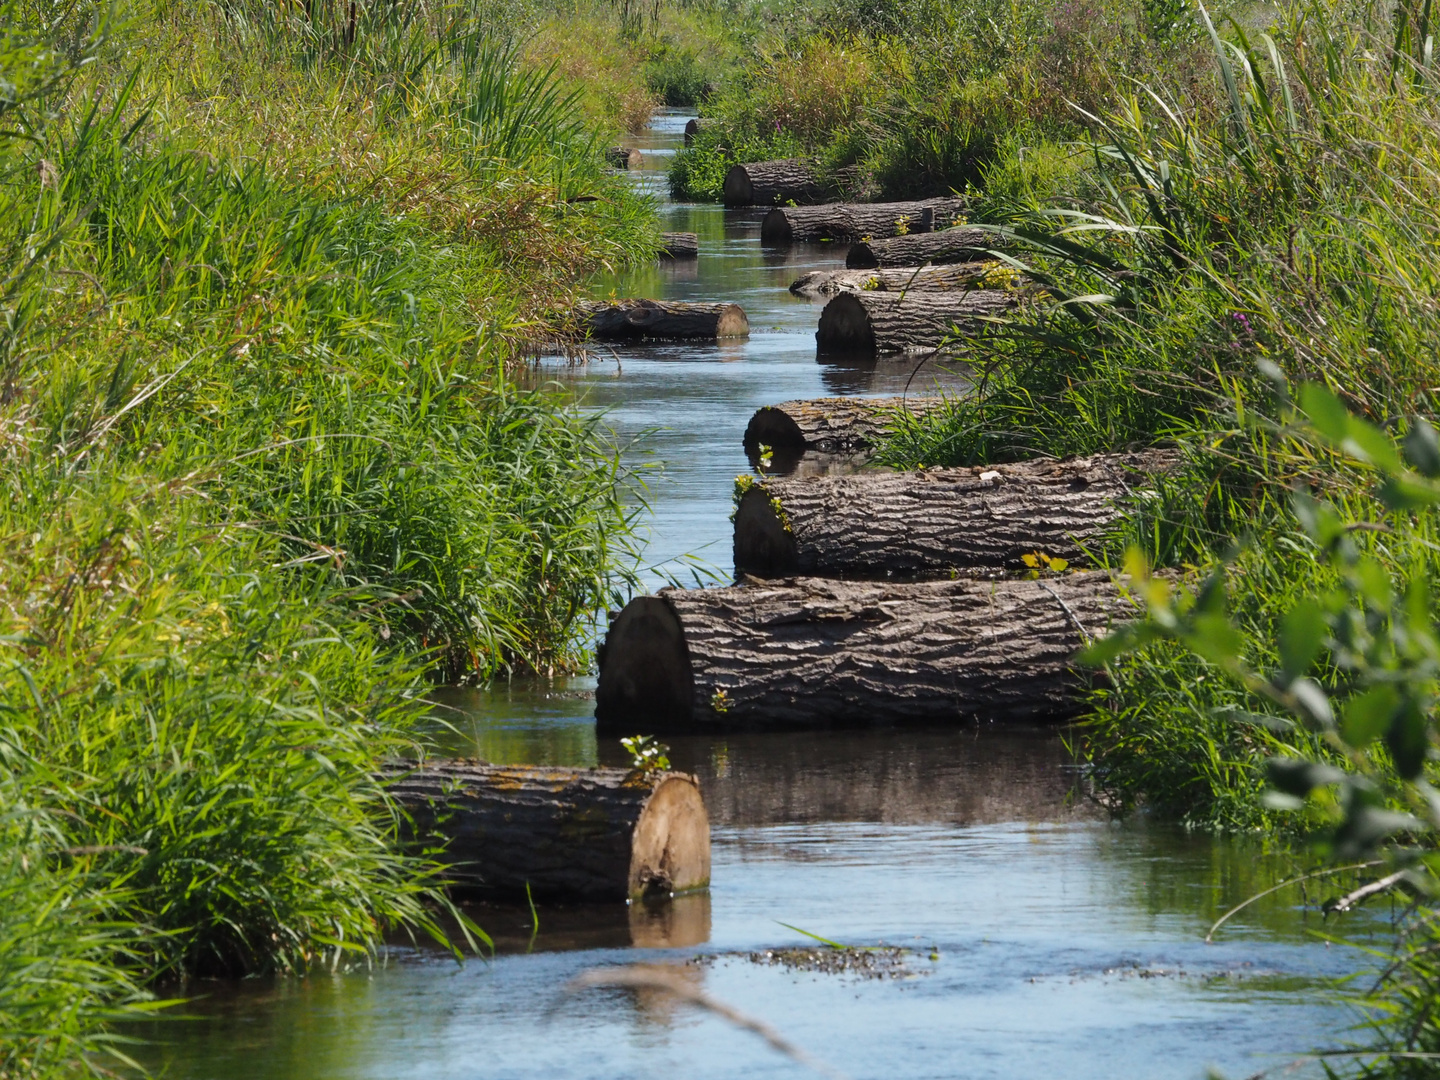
{"x": 876, "y": 962}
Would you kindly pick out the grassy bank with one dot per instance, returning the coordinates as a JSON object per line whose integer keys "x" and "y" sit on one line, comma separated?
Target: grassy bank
{"x": 265, "y": 475}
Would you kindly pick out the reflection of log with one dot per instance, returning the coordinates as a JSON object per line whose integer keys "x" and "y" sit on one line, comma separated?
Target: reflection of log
{"x": 869, "y": 323}
{"x": 855, "y": 221}
{"x": 947, "y": 246}
{"x": 623, "y": 157}
{"x": 765, "y": 183}
{"x": 809, "y": 652}
{"x": 827, "y": 283}
{"x": 692, "y": 127}
{"x": 831, "y": 425}
{"x": 591, "y": 834}
{"x": 621, "y": 319}
{"x": 934, "y": 520}
{"x": 679, "y": 245}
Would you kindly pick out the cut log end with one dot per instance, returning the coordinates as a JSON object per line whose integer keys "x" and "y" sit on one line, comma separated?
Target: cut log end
{"x": 775, "y": 428}
{"x": 845, "y": 328}
{"x": 737, "y": 189}
{"x": 670, "y": 852}
{"x": 732, "y": 323}
{"x": 764, "y": 546}
{"x": 646, "y": 683}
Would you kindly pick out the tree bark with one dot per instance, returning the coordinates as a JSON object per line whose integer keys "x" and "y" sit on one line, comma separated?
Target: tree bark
{"x": 839, "y": 426}
{"x": 765, "y": 183}
{"x": 629, "y": 319}
{"x": 827, "y": 283}
{"x": 679, "y": 245}
{"x": 579, "y": 834}
{"x": 872, "y": 323}
{"x": 946, "y": 246}
{"x": 849, "y": 222}
{"x": 623, "y": 157}
{"x": 692, "y": 127}
{"x": 935, "y": 520}
{"x": 809, "y": 652}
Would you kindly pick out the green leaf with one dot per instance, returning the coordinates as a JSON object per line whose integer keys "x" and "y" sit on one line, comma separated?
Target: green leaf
{"x": 1368, "y": 443}
{"x": 1298, "y": 777}
{"x": 1367, "y": 716}
{"x": 1422, "y": 447}
{"x": 1404, "y": 493}
{"x": 1408, "y": 740}
{"x": 1126, "y": 639}
{"x": 1318, "y": 519}
{"x": 1313, "y": 703}
{"x": 1302, "y": 634}
{"x": 1327, "y": 414}
{"x": 1213, "y": 638}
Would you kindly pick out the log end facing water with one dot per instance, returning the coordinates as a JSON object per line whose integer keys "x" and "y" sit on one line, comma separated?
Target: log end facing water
{"x": 670, "y": 851}
{"x": 646, "y": 683}
{"x": 772, "y": 426}
{"x": 845, "y": 328}
{"x": 621, "y": 320}
{"x": 737, "y": 189}
{"x": 764, "y": 544}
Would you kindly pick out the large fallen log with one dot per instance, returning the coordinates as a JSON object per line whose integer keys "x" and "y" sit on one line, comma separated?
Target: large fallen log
{"x": 765, "y": 183}
{"x": 624, "y": 157}
{"x": 935, "y": 520}
{"x": 809, "y": 652}
{"x": 827, "y": 283}
{"x": 872, "y": 323}
{"x": 838, "y": 425}
{"x": 946, "y": 246}
{"x": 591, "y": 834}
{"x": 679, "y": 245}
{"x": 629, "y": 319}
{"x": 849, "y": 222}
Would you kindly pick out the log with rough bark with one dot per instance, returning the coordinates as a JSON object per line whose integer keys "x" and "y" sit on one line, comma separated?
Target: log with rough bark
{"x": 810, "y": 652}
{"x": 872, "y": 323}
{"x": 624, "y": 157}
{"x": 579, "y": 834}
{"x": 839, "y": 425}
{"x": 827, "y": 283}
{"x": 629, "y": 319}
{"x": 765, "y": 183}
{"x": 679, "y": 245}
{"x": 849, "y": 222}
{"x": 946, "y": 246}
{"x": 692, "y": 127}
{"x": 935, "y": 520}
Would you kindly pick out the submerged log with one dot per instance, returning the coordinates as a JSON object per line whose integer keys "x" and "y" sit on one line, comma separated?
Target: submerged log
{"x": 679, "y": 245}
{"x": 871, "y": 323}
{"x": 935, "y": 520}
{"x": 808, "y": 652}
{"x": 857, "y": 221}
{"x": 765, "y": 183}
{"x": 946, "y": 246}
{"x": 692, "y": 127}
{"x": 839, "y": 425}
{"x": 827, "y": 283}
{"x": 629, "y": 319}
{"x": 591, "y": 834}
{"x": 624, "y": 157}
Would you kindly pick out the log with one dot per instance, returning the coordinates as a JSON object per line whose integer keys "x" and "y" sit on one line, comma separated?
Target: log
{"x": 828, "y": 283}
{"x": 850, "y": 426}
{"x": 946, "y": 246}
{"x": 679, "y": 245}
{"x": 692, "y": 127}
{"x": 624, "y": 157}
{"x": 629, "y": 319}
{"x": 933, "y": 521}
{"x": 765, "y": 183}
{"x": 873, "y": 323}
{"x": 580, "y": 834}
{"x": 849, "y": 222}
{"x": 811, "y": 652}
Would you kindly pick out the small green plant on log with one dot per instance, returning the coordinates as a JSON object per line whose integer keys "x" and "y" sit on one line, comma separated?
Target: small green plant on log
{"x": 646, "y": 755}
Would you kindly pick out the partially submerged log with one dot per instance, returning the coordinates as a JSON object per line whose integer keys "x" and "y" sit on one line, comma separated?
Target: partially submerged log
{"x": 809, "y": 652}
{"x": 827, "y": 283}
{"x": 679, "y": 245}
{"x": 935, "y": 520}
{"x": 579, "y": 834}
{"x": 946, "y": 246}
{"x": 765, "y": 183}
{"x": 836, "y": 425}
{"x": 849, "y": 222}
{"x": 624, "y": 157}
{"x": 872, "y": 323}
{"x": 630, "y": 319}
{"x": 692, "y": 127}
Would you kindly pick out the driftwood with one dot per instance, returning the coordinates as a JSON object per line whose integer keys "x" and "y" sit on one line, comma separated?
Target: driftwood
{"x": 839, "y": 425}
{"x": 849, "y": 222}
{"x": 692, "y": 127}
{"x": 935, "y": 520}
{"x": 679, "y": 245}
{"x": 946, "y": 246}
{"x": 871, "y": 323}
{"x": 765, "y": 183}
{"x": 827, "y": 283}
{"x": 591, "y": 834}
{"x": 629, "y": 319}
{"x": 809, "y": 652}
{"x": 624, "y": 157}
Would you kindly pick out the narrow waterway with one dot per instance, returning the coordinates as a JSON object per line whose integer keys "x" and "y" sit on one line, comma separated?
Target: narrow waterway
{"x": 1044, "y": 939}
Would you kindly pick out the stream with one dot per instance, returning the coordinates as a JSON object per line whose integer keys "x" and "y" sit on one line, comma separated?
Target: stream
{"x": 1042, "y": 938}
